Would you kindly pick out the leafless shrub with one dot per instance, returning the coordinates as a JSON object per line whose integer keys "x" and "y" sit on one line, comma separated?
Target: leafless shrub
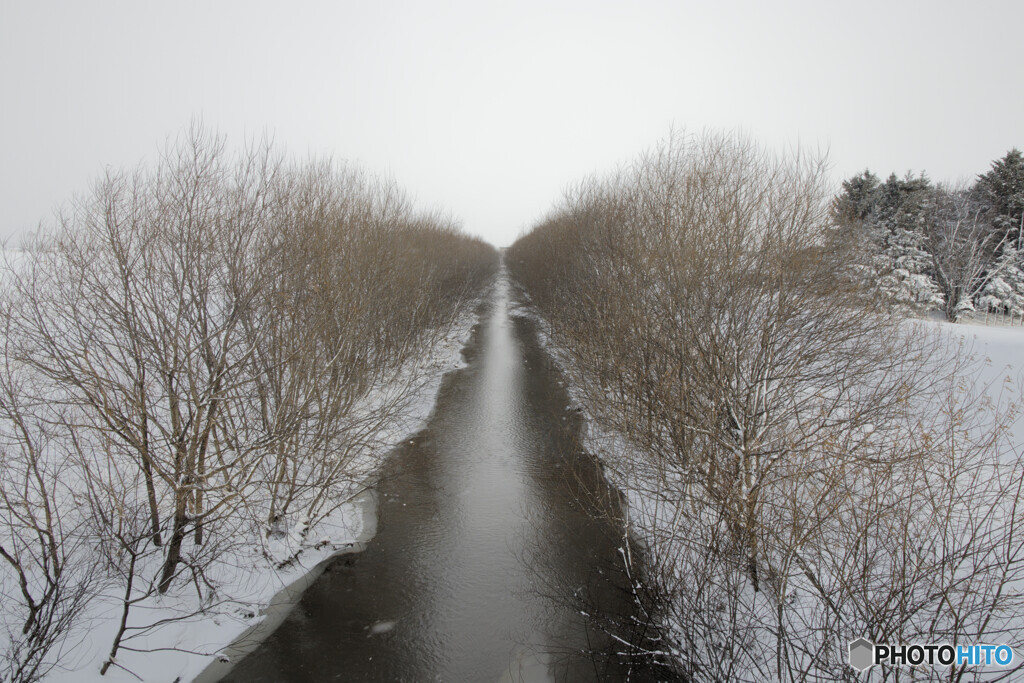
{"x": 768, "y": 414}
{"x": 218, "y": 333}
{"x": 48, "y": 570}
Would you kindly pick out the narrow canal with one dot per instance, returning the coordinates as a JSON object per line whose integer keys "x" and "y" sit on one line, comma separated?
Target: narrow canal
{"x": 497, "y": 555}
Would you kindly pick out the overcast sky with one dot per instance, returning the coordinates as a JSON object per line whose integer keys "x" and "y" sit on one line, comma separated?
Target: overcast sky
{"x": 488, "y": 110}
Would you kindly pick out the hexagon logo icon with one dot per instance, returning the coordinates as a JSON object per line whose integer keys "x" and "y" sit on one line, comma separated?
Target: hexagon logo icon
{"x": 861, "y": 654}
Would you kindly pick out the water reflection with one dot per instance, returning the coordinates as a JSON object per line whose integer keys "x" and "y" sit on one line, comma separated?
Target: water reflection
{"x": 488, "y": 548}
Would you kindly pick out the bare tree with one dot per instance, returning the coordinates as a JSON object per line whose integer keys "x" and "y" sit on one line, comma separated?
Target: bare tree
{"x": 963, "y": 245}
{"x": 215, "y": 346}
{"x": 766, "y": 417}
{"x": 49, "y": 570}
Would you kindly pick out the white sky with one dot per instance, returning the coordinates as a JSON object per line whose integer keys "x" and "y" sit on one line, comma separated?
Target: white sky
{"x": 488, "y": 110}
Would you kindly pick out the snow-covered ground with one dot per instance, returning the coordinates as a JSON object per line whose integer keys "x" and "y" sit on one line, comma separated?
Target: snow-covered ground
{"x": 999, "y": 350}
{"x": 257, "y": 588}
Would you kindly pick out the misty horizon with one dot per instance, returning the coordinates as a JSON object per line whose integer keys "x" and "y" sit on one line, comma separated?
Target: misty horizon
{"x": 489, "y": 113}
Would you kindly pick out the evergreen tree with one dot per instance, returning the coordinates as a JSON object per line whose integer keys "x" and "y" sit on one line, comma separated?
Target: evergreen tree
{"x": 1004, "y": 293}
{"x": 1002, "y": 188}
{"x": 900, "y": 201}
{"x": 904, "y": 269}
{"x": 859, "y": 199}
{"x": 884, "y": 222}
{"x": 903, "y": 265}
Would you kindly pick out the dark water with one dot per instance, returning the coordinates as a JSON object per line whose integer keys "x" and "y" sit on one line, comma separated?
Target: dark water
{"x": 495, "y": 535}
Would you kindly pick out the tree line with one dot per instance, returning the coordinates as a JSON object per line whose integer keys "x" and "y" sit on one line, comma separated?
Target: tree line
{"x": 803, "y": 469}
{"x": 196, "y": 355}
{"x": 935, "y": 246}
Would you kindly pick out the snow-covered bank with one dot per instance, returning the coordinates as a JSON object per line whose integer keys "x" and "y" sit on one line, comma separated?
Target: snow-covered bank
{"x": 850, "y": 549}
{"x": 258, "y": 582}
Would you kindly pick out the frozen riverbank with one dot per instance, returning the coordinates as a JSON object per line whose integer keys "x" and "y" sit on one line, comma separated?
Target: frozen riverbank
{"x": 961, "y": 551}
{"x": 257, "y": 584}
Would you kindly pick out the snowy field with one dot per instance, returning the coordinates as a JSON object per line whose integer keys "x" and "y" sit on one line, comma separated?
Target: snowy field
{"x": 999, "y": 349}
{"x": 259, "y": 583}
